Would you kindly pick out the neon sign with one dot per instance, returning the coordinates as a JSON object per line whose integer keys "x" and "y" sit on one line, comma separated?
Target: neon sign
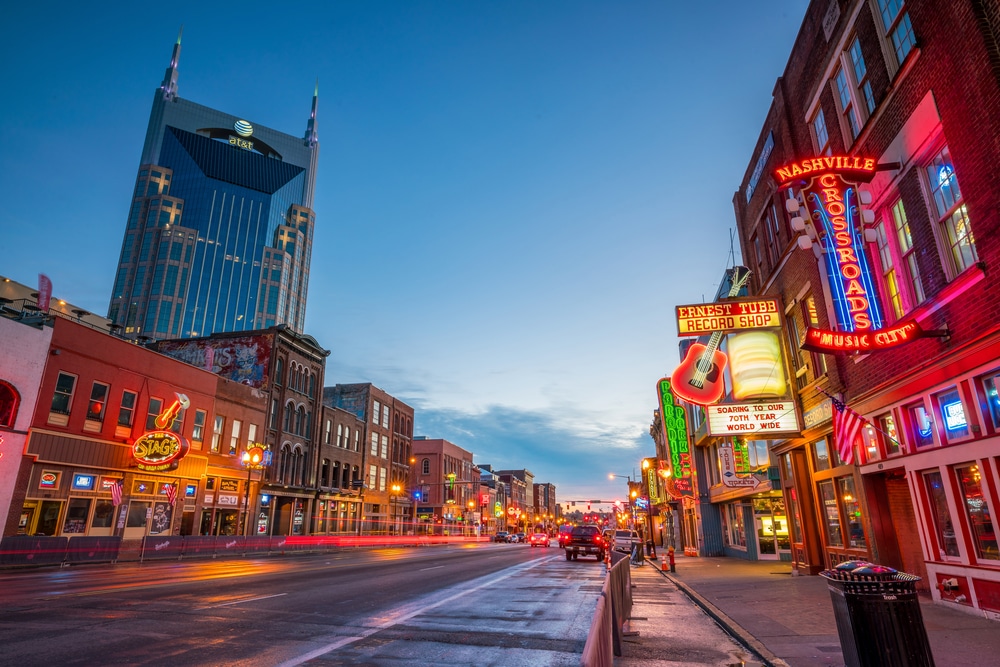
{"x": 735, "y": 315}
{"x": 822, "y": 340}
{"x": 159, "y": 450}
{"x": 819, "y": 165}
{"x": 831, "y": 196}
{"x": 675, "y": 435}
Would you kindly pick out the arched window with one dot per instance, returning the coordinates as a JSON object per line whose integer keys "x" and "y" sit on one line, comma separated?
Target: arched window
{"x": 426, "y": 467}
{"x": 298, "y": 421}
{"x": 9, "y": 399}
{"x": 279, "y": 371}
{"x": 312, "y": 385}
{"x": 308, "y": 425}
{"x": 347, "y": 437}
{"x": 291, "y": 375}
{"x": 284, "y": 464}
{"x": 289, "y": 409}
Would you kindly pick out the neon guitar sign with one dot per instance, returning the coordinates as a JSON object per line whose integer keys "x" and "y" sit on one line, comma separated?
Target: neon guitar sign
{"x": 698, "y": 379}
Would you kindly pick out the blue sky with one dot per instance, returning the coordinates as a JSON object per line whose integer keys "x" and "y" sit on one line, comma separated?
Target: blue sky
{"x": 512, "y": 196}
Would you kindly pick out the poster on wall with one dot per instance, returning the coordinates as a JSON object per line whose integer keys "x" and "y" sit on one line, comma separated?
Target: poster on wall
{"x": 160, "y": 522}
{"x": 242, "y": 359}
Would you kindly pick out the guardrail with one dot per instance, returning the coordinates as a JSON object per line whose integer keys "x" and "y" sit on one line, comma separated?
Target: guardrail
{"x": 614, "y": 607}
{"x": 23, "y": 550}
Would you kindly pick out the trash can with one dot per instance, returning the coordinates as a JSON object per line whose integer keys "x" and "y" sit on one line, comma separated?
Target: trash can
{"x": 878, "y": 616}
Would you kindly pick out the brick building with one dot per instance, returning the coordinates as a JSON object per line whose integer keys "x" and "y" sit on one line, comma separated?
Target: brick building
{"x": 890, "y": 82}
{"x": 386, "y": 448}
{"x": 449, "y": 486}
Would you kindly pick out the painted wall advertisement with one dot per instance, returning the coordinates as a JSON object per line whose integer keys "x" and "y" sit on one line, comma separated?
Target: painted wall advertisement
{"x": 242, "y": 359}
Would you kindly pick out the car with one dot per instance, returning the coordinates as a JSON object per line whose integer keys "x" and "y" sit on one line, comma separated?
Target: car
{"x": 564, "y": 532}
{"x": 585, "y": 541}
{"x": 501, "y": 536}
{"x": 539, "y": 540}
{"x": 519, "y": 537}
{"x": 624, "y": 540}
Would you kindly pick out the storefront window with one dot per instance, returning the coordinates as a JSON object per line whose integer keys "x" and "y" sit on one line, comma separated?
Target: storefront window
{"x": 786, "y": 465}
{"x": 992, "y": 399}
{"x": 921, "y": 425}
{"x": 956, "y": 426}
{"x": 76, "y": 515}
{"x": 852, "y": 513}
{"x": 943, "y": 525}
{"x": 104, "y": 512}
{"x": 977, "y": 511}
{"x": 734, "y": 524}
{"x": 822, "y": 455}
{"x": 887, "y": 432}
{"x": 831, "y": 514}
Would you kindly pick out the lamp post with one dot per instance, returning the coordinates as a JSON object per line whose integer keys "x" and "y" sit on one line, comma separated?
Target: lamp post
{"x": 253, "y": 459}
{"x": 395, "y": 488}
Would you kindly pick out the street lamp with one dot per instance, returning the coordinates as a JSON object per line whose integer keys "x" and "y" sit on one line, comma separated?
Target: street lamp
{"x": 395, "y": 488}
{"x": 253, "y": 459}
{"x": 472, "y": 506}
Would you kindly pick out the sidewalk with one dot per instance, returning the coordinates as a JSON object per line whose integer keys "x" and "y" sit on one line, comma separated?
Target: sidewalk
{"x": 787, "y": 620}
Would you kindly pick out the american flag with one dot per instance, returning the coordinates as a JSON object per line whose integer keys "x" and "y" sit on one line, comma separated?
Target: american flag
{"x": 846, "y": 426}
{"x": 171, "y": 492}
{"x": 116, "y": 492}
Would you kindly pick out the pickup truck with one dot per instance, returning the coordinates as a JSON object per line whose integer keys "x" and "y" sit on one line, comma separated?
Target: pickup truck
{"x": 585, "y": 540}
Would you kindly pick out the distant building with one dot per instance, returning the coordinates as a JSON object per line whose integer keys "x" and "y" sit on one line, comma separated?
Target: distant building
{"x": 386, "y": 448}
{"x": 220, "y": 230}
{"x": 521, "y": 484}
{"x": 449, "y": 487}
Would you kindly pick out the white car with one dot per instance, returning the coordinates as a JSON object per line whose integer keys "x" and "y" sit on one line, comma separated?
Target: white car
{"x": 625, "y": 540}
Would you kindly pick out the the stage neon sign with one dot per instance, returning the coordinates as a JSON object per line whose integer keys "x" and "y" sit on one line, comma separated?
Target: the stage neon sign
{"x": 832, "y": 201}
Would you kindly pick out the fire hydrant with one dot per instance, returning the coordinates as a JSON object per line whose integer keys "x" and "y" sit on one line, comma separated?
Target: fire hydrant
{"x": 670, "y": 558}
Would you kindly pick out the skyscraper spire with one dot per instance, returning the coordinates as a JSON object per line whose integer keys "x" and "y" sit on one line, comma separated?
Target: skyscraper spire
{"x": 311, "y": 135}
{"x": 169, "y": 85}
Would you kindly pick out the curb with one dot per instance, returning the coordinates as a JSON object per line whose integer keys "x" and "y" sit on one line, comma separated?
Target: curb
{"x": 740, "y": 634}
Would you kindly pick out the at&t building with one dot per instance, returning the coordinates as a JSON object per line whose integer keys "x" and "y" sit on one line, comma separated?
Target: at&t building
{"x": 220, "y": 230}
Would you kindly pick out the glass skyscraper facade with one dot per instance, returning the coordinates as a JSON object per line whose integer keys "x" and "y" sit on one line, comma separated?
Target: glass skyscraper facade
{"x": 219, "y": 234}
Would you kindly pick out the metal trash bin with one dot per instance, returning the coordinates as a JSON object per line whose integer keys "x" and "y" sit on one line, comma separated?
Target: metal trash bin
{"x": 878, "y": 616}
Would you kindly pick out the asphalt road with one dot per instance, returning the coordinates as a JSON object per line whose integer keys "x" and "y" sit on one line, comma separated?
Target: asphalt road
{"x": 474, "y": 604}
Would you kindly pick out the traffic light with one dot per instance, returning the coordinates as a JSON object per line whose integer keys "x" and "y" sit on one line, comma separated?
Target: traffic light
{"x": 416, "y": 496}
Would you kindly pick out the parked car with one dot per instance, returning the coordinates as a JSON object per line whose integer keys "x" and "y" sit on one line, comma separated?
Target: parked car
{"x": 624, "y": 540}
{"x": 564, "y": 532}
{"x": 539, "y": 540}
{"x": 501, "y": 536}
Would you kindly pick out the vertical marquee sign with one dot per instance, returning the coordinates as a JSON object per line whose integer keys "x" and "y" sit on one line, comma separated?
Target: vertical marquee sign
{"x": 675, "y": 436}
{"x": 831, "y": 197}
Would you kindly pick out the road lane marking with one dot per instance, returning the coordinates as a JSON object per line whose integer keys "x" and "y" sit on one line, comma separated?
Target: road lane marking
{"x": 406, "y": 612}
{"x": 424, "y": 569}
{"x": 227, "y": 604}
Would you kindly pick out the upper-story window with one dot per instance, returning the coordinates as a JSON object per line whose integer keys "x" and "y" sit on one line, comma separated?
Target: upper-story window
{"x": 279, "y": 371}
{"x": 126, "y": 413}
{"x": 234, "y": 439}
{"x": 951, "y": 211}
{"x": 821, "y": 134}
{"x": 385, "y": 416}
{"x": 152, "y": 412}
{"x": 376, "y": 411}
{"x": 217, "y": 427}
{"x": 864, "y": 86}
{"x": 889, "y": 282}
{"x": 198, "y": 429}
{"x": 904, "y": 246}
{"x": 62, "y": 399}
{"x": 847, "y": 106}
{"x": 426, "y": 466}
{"x": 896, "y": 23}
{"x": 97, "y": 405}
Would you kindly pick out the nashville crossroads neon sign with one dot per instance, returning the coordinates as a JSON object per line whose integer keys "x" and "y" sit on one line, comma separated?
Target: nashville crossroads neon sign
{"x": 832, "y": 201}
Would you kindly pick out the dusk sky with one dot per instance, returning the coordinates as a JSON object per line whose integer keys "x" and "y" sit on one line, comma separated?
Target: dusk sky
{"x": 512, "y": 196}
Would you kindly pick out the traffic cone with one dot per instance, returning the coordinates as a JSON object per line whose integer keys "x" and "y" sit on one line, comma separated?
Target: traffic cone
{"x": 663, "y": 563}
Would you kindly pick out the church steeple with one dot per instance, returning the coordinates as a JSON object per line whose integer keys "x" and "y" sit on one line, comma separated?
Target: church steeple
{"x": 169, "y": 85}
{"x": 311, "y": 136}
